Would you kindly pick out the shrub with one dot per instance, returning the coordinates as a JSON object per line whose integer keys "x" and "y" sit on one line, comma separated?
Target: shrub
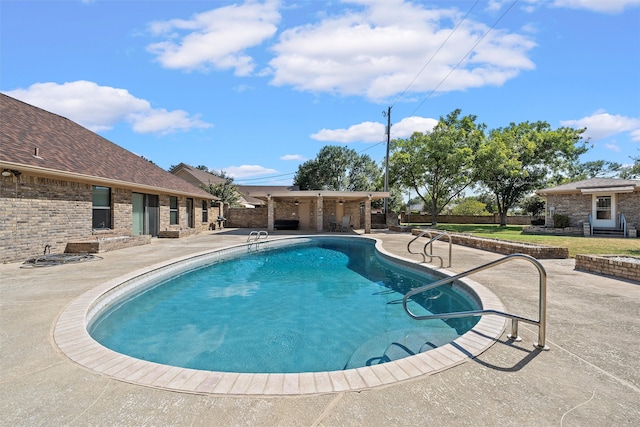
{"x": 537, "y": 221}
{"x": 560, "y": 221}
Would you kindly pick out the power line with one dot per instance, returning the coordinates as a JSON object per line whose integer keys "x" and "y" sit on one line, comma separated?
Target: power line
{"x": 464, "y": 57}
{"x": 434, "y": 54}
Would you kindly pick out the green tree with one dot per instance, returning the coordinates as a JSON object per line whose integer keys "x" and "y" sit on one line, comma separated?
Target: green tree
{"x": 470, "y": 206}
{"x": 438, "y": 165}
{"x": 338, "y": 169}
{"x": 516, "y": 160}
{"x": 226, "y": 191}
{"x": 533, "y": 205}
{"x": 596, "y": 168}
{"x": 632, "y": 171}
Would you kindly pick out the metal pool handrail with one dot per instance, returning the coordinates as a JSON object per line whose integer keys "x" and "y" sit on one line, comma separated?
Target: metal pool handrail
{"x": 542, "y": 303}
{"x": 424, "y": 251}
{"x": 257, "y": 235}
{"x": 433, "y": 239}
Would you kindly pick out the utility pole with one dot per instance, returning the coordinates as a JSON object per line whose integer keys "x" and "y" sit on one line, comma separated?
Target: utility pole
{"x": 387, "y": 114}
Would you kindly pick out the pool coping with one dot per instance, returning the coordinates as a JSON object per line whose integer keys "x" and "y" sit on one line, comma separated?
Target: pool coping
{"x": 72, "y": 339}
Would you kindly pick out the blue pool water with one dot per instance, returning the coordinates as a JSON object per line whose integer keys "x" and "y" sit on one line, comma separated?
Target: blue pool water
{"x": 322, "y": 305}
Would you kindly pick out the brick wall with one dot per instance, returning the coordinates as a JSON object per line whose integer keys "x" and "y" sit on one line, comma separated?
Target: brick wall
{"x": 629, "y": 205}
{"x": 609, "y": 265}
{"x": 576, "y": 206}
{"x": 467, "y": 219}
{"x": 37, "y": 211}
{"x": 506, "y": 247}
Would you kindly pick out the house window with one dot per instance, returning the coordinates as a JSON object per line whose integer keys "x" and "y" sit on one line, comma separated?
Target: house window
{"x": 101, "y": 198}
{"x": 173, "y": 210}
{"x": 205, "y": 211}
{"x": 603, "y": 207}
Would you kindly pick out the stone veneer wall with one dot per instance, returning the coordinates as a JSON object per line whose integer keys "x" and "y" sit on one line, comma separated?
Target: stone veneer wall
{"x": 609, "y": 266}
{"x": 506, "y": 247}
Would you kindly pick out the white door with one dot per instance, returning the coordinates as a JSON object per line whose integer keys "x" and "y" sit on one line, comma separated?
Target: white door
{"x": 604, "y": 210}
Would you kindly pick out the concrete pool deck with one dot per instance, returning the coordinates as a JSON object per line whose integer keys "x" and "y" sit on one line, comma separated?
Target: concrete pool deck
{"x": 591, "y": 376}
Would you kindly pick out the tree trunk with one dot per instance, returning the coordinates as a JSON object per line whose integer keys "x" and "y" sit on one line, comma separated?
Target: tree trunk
{"x": 434, "y": 213}
{"x": 503, "y": 218}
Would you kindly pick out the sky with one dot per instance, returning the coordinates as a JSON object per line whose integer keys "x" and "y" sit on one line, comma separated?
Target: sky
{"x": 255, "y": 88}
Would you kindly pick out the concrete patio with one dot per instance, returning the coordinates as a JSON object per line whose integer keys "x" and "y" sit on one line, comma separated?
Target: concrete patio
{"x": 591, "y": 375}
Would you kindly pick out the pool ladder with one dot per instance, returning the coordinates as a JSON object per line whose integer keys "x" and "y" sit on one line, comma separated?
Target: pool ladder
{"x": 254, "y": 239}
{"x": 542, "y": 301}
{"x": 433, "y": 238}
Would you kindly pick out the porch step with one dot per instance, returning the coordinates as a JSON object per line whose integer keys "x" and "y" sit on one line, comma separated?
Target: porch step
{"x": 608, "y": 232}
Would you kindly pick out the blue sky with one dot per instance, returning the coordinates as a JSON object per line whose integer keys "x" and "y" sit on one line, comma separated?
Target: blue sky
{"x": 256, "y": 88}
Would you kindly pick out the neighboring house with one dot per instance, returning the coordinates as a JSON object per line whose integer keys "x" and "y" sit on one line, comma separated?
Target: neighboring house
{"x": 61, "y": 183}
{"x": 599, "y": 205}
{"x": 200, "y": 178}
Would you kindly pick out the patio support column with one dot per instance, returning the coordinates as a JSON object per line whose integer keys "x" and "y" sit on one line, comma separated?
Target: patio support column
{"x": 319, "y": 218}
{"x": 270, "y": 221}
{"x": 367, "y": 215}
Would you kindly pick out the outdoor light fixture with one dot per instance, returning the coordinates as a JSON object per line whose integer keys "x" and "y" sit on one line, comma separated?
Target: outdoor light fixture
{"x": 9, "y": 172}
{"x": 296, "y": 202}
{"x": 340, "y": 202}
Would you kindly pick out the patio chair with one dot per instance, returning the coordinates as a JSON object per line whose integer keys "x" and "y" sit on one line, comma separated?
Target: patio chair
{"x": 333, "y": 224}
{"x": 346, "y": 222}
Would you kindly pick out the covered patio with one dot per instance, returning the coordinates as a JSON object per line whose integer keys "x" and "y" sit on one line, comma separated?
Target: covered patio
{"x": 313, "y": 209}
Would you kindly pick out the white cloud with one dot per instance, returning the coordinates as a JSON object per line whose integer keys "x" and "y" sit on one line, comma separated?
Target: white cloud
{"x": 100, "y": 108}
{"x": 245, "y": 171}
{"x": 612, "y": 147}
{"x": 299, "y": 157}
{"x": 163, "y": 121}
{"x": 375, "y": 51}
{"x": 362, "y": 132}
{"x": 606, "y": 6}
{"x": 602, "y": 125}
{"x": 375, "y": 132}
{"x": 409, "y": 125}
{"x": 217, "y": 38}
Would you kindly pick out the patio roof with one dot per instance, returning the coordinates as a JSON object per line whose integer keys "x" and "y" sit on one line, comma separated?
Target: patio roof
{"x": 308, "y": 194}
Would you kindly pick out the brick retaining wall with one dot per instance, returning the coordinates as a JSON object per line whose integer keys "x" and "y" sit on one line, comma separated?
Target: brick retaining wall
{"x": 106, "y": 244}
{"x": 608, "y": 266}
{"x": 506, "y": 247}
{"x": 467, "y": 219}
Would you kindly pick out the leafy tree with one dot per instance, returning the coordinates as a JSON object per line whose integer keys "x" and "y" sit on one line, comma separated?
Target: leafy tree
{"x": 518, "y": 159}
{"x": 533, "y": 204}
{"x": 470, "y": 206}
{"x": 204, "y": 168}
{"x": 438, "y": 165}
{"x": 631, "y": 172}
{"x": 596, "y": 168}
{"x": 226, "y": 191}
{"x": 338, "y": 169}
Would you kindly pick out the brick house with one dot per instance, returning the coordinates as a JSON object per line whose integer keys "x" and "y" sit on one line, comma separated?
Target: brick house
{"x": 598, "y": 205}
{"x": 61, "y": 183}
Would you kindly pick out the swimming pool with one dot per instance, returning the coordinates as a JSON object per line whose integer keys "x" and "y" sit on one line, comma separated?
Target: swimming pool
{"x": 71, "y": 336}
{"x": 320, "y": 304}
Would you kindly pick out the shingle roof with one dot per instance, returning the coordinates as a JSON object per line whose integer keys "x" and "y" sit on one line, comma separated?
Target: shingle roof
{"x": 203, "y": 177}
{"x": 573, "y": 187}
{"x": 66, "y": 148}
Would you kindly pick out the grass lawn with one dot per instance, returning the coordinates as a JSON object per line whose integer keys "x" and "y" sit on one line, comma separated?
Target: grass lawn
{"x": 576, "y": 245}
